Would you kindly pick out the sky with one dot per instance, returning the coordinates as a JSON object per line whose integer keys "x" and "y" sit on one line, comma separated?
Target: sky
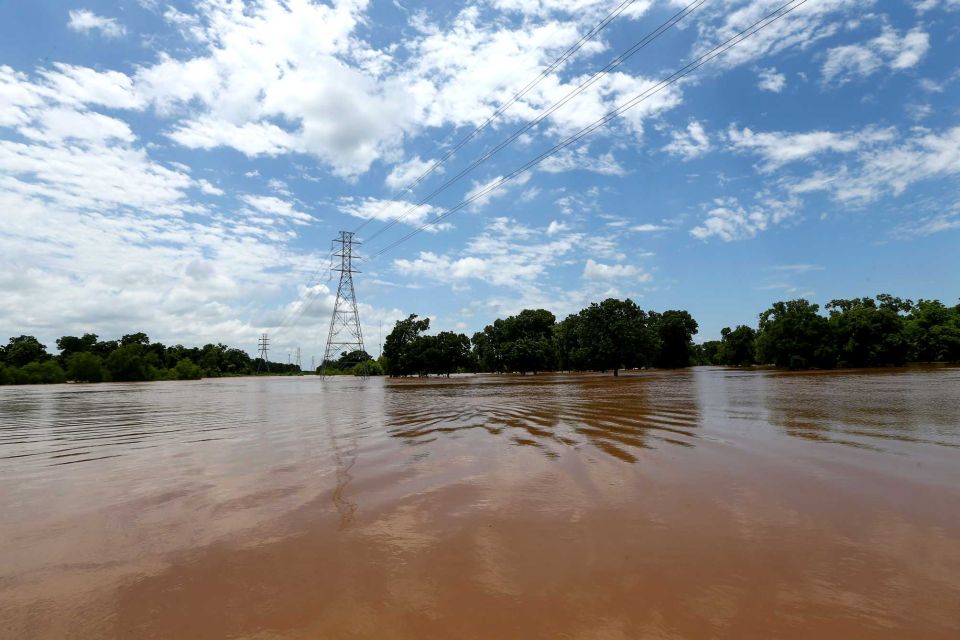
{"x": 180, "y": 168}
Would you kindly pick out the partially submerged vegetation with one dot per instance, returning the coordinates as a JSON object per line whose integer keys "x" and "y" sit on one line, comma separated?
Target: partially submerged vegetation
{"x": 605, "y": 336}
{"x": 25, "y": 360}
{"x": 617, "y": 334}
{"x": 857, "y": 332}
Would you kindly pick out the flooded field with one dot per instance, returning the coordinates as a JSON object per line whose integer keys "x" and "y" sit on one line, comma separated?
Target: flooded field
{"x": 689, "y": 504}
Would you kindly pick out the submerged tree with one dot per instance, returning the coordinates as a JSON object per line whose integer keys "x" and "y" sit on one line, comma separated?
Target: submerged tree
{"x": 615, "y": 334}
{"x": 867, "y": 334}
{"x": 793, "y": 334}
{"x": 737, "y": 347}
{"x": 675, "y": 330}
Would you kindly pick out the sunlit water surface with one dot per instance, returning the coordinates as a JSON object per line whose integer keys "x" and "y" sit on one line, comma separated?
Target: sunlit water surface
{"x": 692, "y": 504}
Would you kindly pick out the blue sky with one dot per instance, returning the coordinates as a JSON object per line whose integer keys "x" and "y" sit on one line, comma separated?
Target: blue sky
{"x": 180, "y": 168}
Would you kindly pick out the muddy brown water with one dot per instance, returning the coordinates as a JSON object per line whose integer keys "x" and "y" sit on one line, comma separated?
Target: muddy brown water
{"x": 705, "y": 503}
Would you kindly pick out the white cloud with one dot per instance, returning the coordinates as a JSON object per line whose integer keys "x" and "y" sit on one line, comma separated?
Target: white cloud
{"x": 377, "y": 209}
{"x": 208, "y": 188}
{"x": 770, "y": 80}
{"x": 577, "y": 7}
{"x": 690, "y": 143}
{"x": 71, "y": 84}
{"x": 480, "y": 196}
{"x": 506, "y": 254}
{"x": 648, "y": 228}
{"x": 779, "y": 148}
{"x": 581, "y": 159}
{"x": 78, "y": 187}
{"x": 889, "y": 49}
{"x": 404, "y": 174}
{"x": 250, "y": 138}
{"x": 922, "y": 6}
{"x": 889, "y": 169}
{"x": 277, "y": 207}
{"x": 728, "y": 220}
{"x": 85, "y": 21}
{"x": 556, "y": 227}
{"x": 800, "y": 29}
{"x": 593, "y": 270}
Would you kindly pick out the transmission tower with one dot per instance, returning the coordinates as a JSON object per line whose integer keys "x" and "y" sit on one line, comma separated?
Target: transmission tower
{"x": 298, "y": 359}
{"x": 345, "y": 333}
{"x": 263, "y": 348}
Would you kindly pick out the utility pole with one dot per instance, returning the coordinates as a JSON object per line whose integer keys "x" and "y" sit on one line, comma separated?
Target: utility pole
{"x": 345, "y": 333}
{"x": 298, "y": 359}
{"x": 263, "y": 348}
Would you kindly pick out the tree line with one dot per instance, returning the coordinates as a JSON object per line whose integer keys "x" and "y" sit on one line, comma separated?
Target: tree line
{"x": 856, "y": 332}
{"x": 133, "y": 357}
{"x": 607, "y": 336}
{"x": 610, "y": 335}
{"x": 617, "y": 334}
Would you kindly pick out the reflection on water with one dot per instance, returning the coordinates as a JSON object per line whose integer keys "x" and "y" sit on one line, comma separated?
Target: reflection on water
{"x": 551, "y": 411}
{"x": 700, "y": 503}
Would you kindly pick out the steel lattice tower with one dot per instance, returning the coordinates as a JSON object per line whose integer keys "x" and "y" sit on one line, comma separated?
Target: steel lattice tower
{"x": 263, "y": 348}
{"x": 345, "y": 333}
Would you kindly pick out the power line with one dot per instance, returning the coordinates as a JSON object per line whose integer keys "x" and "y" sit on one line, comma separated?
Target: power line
{"x": 573, "y": 93}
{"x": 720, "y": 49}
{"x": 600, "y": 26}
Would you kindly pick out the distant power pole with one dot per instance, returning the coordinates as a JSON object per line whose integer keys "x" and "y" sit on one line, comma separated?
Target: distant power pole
{"x": 263, "y": 348}
{"x": 345, "y": 333}
{"x": 298, "y": 357}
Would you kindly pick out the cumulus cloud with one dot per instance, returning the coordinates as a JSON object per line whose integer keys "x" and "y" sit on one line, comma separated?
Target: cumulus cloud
{"x": 888, "y": 169}
{"x": 506, "y": 254}
{"x": 689, "y": 143}
{"x": 86, "y": 21}
{"x": 386, "y": 210}
{"x": 728, "y": 220}
{"x": 78, "y": 185}
{"x": 593, "y": 270}
{"x": 777, "y": 148}
{"x": 888, "y": 50}
{"x": 770, "y": 80}
{"x": 404, "y": 174}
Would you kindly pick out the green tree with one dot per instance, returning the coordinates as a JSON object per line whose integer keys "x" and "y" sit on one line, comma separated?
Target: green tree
{"x": 675, "y": 329}
{"x": 185, "y": 369}
{"x": 868, "y": 334}
{"x": 453, "y": 352}
{"x": 23, "y": 350}
{"x": 69, "y": 345}
{"x": 350, "y": 359}
{"x": 396, "y": 348}
{"x": 128, "y": 364}
{"x": 737, "y": 347}
{"x": 615, "y": 334}
{"x": 793, "y": 334}
{"x": 135, "y": 338}
{"x": 368, "y": 368}
{"x": 932, "y": 331}
{"x": 46, "y": 372}
{"x": 524, "y": 342}
{"x": 83, "y": 366}
{"x": 710, "y": 352}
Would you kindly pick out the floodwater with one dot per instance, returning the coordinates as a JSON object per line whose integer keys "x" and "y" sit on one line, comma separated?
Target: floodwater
{"x": 705, "y": 503}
